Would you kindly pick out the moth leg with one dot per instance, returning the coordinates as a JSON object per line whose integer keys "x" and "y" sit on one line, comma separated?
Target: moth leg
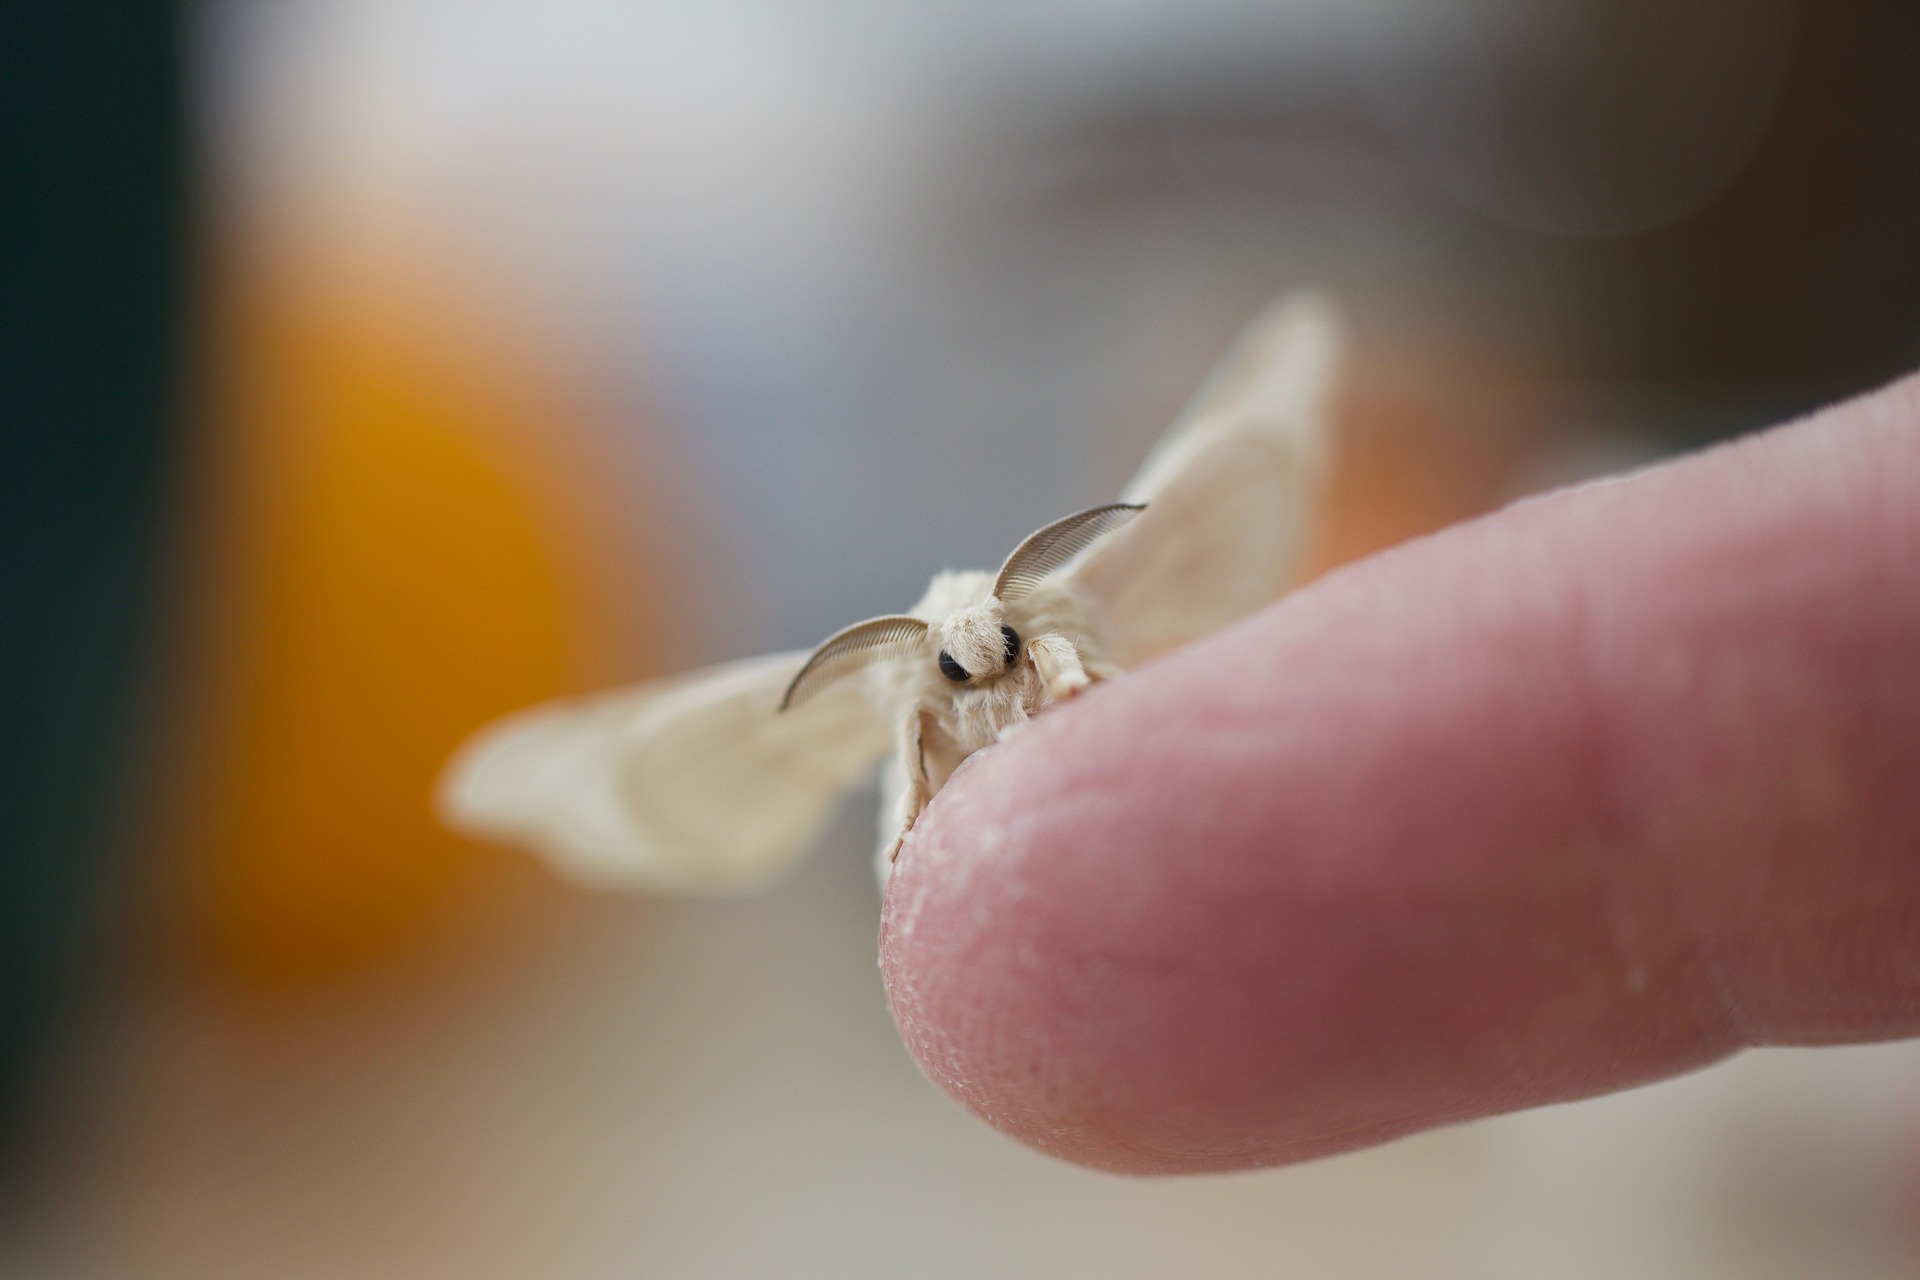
{"x": 1057, "y": 662}
{"x": 919, "y": 789}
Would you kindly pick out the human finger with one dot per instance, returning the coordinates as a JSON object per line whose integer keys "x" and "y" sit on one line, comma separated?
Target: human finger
{"x": 1588, "y": 792}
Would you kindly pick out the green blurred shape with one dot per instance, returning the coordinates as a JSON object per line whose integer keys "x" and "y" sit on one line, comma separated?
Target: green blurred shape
{"x": 91, "y": 204}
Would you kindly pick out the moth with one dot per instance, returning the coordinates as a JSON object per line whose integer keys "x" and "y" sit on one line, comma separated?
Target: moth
{"x": 721, "y": 779}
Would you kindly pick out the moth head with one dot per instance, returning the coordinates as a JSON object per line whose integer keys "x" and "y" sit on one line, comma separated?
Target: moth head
{"x": 976, "y": 643}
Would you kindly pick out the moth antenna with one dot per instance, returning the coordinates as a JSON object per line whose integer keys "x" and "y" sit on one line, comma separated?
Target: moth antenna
{"x": 851, "y": 648}
{"x": 1045, "y": 550}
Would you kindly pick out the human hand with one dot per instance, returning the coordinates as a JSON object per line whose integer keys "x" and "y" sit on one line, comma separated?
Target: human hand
{"x": 1592, "y": 791}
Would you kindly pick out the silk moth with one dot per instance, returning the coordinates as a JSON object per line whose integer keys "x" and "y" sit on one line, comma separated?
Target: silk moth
{"x": 719, "y": 780}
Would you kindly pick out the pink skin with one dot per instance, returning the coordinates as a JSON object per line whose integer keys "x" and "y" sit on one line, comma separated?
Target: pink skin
{"x": 1592, "y": 791}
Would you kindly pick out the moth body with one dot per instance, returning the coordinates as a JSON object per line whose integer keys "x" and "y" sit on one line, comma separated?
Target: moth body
{"x": 985, "y": 667}
{"x": 1008, "y": 681}
{"x": 718, "y": 780}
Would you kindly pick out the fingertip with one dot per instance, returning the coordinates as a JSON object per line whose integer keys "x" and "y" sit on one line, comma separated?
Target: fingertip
{"x": 1119, "y": 982}
{"x": 1586, "y": 794}
{"x": 966, "y": 954}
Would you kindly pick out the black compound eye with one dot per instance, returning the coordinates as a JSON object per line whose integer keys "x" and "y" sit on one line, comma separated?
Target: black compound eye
{"x": 951, "y": 669}
{"x": 1013, "y": 644}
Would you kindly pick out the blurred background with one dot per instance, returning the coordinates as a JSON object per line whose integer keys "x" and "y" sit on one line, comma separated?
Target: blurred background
{"x": 376, "y": 367}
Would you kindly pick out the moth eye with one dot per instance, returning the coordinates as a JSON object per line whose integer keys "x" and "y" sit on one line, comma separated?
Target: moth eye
{"x": 1013, "y": 644}
{"x": 951, "y": 669}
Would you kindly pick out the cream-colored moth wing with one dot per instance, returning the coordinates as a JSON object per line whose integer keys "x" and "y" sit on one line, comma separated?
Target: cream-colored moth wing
{"x": 693, "y": 783}
{"x": 1232, "y": 493}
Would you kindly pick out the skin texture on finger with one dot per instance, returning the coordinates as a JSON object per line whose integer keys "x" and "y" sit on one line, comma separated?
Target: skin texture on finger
{"x": 1592, "y": 791}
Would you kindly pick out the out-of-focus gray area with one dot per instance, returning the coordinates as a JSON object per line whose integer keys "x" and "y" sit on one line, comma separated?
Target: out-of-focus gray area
{"x": 904, "y": 282}
{"x": 863, "y": 291}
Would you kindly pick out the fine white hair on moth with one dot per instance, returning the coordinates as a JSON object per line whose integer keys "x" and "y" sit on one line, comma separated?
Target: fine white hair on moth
{"x": 721, "y": 779}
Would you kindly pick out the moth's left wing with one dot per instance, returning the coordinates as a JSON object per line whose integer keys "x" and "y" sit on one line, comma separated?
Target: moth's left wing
{"x": 695, "y": 783}
{"x": 1232, "y": 492}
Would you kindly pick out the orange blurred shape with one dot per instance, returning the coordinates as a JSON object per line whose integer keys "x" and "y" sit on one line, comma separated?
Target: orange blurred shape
{"x": 1419, "y": 448}
{"x": 403, "y": 541}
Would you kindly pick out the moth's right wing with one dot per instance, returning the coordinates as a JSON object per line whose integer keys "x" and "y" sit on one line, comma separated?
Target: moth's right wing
{"x": 695, "y": 783}
{"x": 1232, "y": 493}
